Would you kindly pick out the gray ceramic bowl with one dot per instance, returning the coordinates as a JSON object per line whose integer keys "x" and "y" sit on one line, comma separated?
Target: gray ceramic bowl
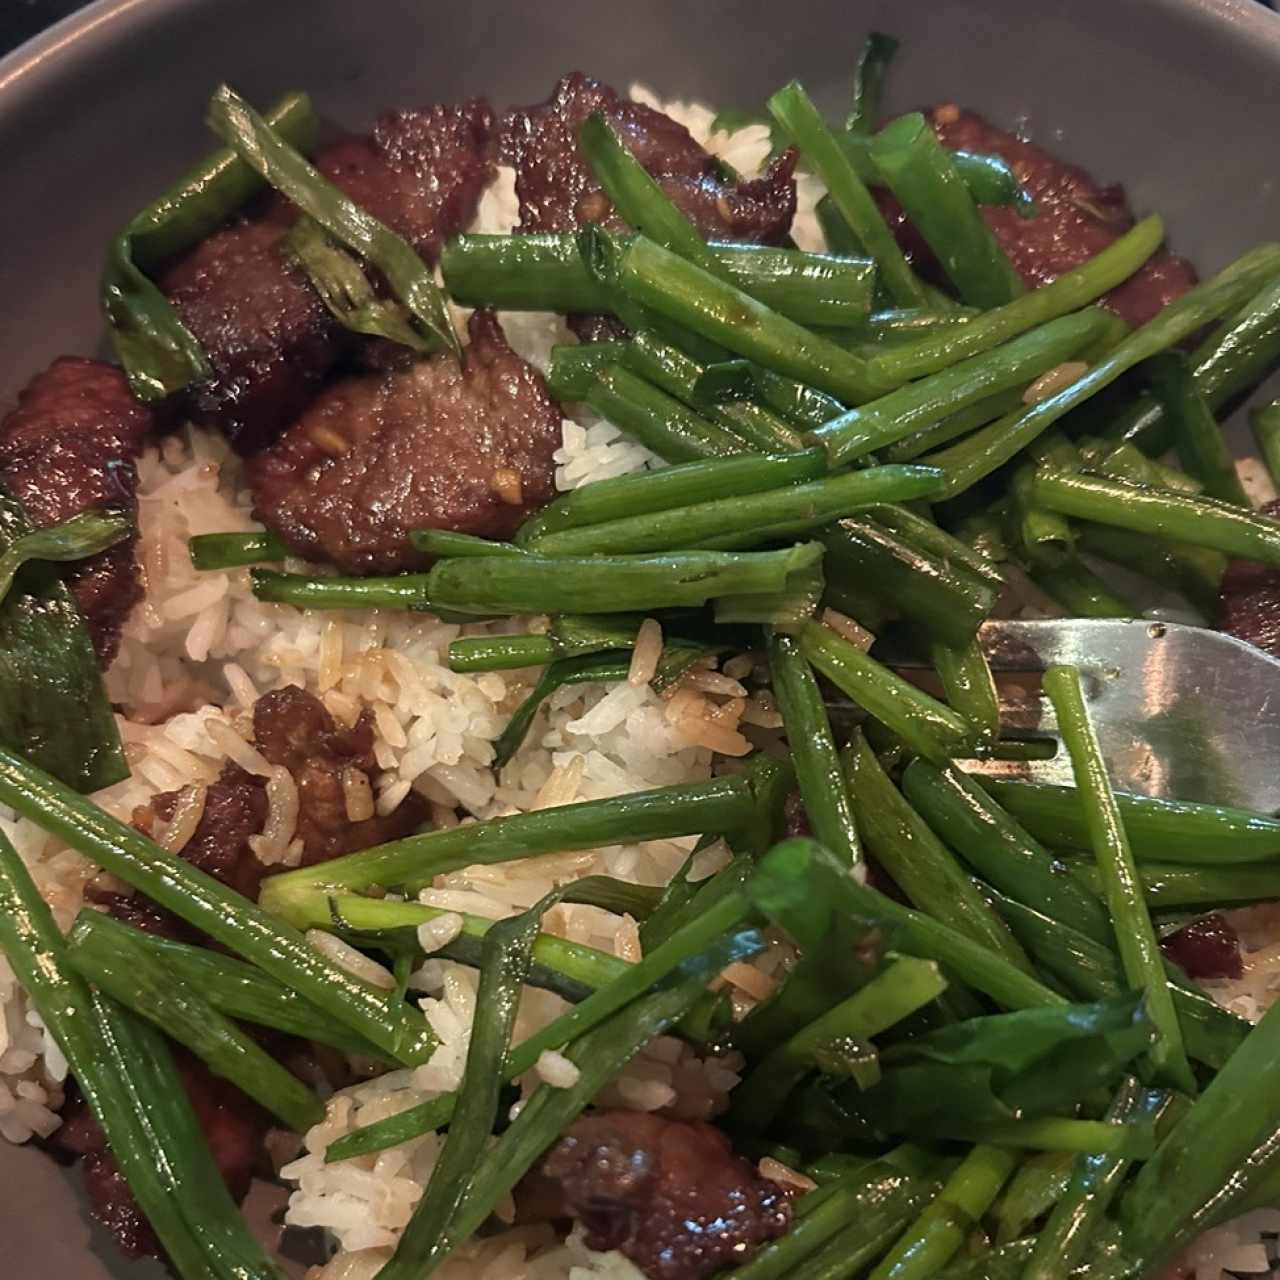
{"x": 1174, "y": 97}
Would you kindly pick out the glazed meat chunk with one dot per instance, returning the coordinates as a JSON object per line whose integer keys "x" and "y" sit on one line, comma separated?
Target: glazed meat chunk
{"x": 72, "y": 444}
{"x": 420, "y": 172}
{"x": 1076, "y": 219}
{"x": 269, "y": 337}
{"x": 434, "y": 444}
{"x": 558, "y": 192}
{"x": 669, "y": 1194}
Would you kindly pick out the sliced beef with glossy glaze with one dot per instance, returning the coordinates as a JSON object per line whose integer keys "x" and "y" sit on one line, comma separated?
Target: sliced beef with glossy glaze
{"x": 432, "y": 445}
{"x": 670, "y": 1194}
{"x": 269, "y": 337}
{"x": 558, "y": 192}
{"x": 420, "y": 172}
{"x": 1076, "y": 219}
{"x": 71, "y": 444}
{"x": 1208, "y": 947}
{"x": 1249, "y": 599}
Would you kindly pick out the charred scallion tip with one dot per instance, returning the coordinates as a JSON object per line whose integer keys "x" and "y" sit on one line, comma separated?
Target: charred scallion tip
{"x": 287, "y": 170}
{"x": 344, "y": 288}
{"x": 159, "y": 354}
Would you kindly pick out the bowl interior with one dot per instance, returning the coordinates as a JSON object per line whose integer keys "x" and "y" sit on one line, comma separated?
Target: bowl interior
{"x": 1169, "y": 96}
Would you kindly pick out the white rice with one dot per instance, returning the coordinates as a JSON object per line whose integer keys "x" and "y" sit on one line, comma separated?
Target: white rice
{"x": 200, "y": 650}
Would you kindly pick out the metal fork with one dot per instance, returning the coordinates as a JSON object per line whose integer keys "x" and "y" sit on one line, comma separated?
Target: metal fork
{"x": 1180, "y": 712}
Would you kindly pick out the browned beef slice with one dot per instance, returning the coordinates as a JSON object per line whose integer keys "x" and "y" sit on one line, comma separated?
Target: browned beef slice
{"x": 435, "y": 445}
{"x": 264, "y": 329}
{"x": 1206, "y": 948}
{"x": 71, "y": 444}
{"x": 233, "y": 1125}
{"x": 420, "y": 172}
{"x": 670, "y": 1194}
{"x": 1077, "y": 219}
{"x": 294, "y": 729}
{"x": 270, "y": 339}
{"x": 1249, "y": 599}
{"x": 558, "y": 192}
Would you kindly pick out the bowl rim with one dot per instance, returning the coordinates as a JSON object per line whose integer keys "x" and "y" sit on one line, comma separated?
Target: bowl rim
{"x": 39, "y": 63}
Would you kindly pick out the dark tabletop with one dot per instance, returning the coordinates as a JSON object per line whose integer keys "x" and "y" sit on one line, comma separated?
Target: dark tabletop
{"x": 21, "y": 19}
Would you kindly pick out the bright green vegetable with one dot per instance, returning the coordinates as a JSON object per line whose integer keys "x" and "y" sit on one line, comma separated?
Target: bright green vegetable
{"x": 1164, "y": 830}
{"x": 131, "y": 973}
{"x": 813, "y": 750}
{"x": 1202, "y": 450}
{"x": 545, "y": 272}
{"x": 916, "y": 859}
{"x": 905, "y": 985}
{"x": 339, "y": 279}
{"x": 1069, "y": 292}
{"x": 159, "y": 354}
{"x": 78, "y": 538}
{"x": 1205, "y": 522}
{"x": 1265, "y": 421}
{"x": 932, "y": 729}
{"x": 53, "y": 706}
{"x": 721, "y": 805}
{"x": 230, "y": 550}
{"x": 399, "y": 1031}
{"x": 793, "y": 109}
{"x": 741, "y": 521}
{"x": 933, "y": 1240}
{"x": 977, "y": 456}
{"x": 1001, "y": 851}
{"x": 724, "y": 314}
{"x": 127, "y": 1076}
{"x": 868, "y": 82}
{"x": 270, "y": 156}
{"x": 927, "y": 182}
{"x": 918, "y": 405}
{"x": 670, "y": 488}
{"x": 1135, "y": 937}
{"x": 699, "y": 946}
{"x": 1064, "y": 1240}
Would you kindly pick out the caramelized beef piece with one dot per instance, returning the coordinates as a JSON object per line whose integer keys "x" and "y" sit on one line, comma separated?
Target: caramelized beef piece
{"x": 233, "y": 1125}
{"x": 1076, "y": 220}
{"x": 265, "y": 331}
{"x": 71, "y": 444}
{"x": 269, "y": 337}
{"x": 294, "y": 729}
{"x": 436, "y": 445}
{"x": 558, "y": 192}
{"x": 671, "y": 1195}
{"x": 1249, "y": 599}
{"x": 1206, "y": 948}
{"x": 420, "y": 172}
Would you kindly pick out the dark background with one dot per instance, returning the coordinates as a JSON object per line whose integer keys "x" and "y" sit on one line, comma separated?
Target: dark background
{"x": 21, "y": 19}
